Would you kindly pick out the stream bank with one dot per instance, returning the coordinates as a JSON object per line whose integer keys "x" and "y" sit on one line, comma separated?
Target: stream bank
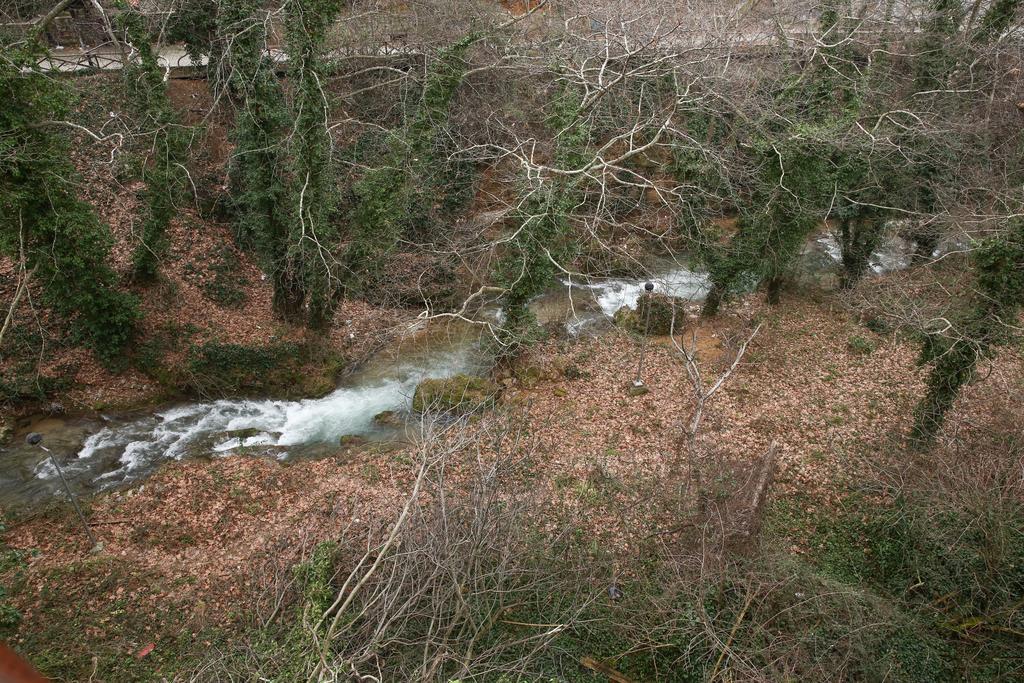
{"x": 108, "y": 451}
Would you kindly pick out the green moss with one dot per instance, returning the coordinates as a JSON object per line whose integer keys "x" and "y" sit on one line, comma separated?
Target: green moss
{"x": 945, "y": 570}
{"x": 461, "y": 393}
{"x": 860, "y": 345}
{"x": 214, "y": 368}
{"x": 655, "y": 314}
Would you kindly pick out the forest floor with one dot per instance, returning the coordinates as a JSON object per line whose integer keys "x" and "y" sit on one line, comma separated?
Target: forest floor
{"x": 195, "y": 551}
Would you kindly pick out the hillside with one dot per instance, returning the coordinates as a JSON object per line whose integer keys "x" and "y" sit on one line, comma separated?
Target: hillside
{"x": 510, "y": 342}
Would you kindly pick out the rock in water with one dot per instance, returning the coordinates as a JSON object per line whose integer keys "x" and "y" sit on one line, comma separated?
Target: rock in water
{"x": 351, "y": 441}
{"x": 460, "y": 393}
{"x": 389, "y": 418}
{"x": 243, "y": 434}
{"x": 662, "y": 309}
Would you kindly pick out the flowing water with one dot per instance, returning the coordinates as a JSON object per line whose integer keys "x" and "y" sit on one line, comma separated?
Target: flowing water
{"x": 98, "y": 453}
{"x": 894, "y": 254}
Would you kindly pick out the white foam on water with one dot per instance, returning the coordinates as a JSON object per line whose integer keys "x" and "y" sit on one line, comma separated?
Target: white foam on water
{"x": 893, "y": 254}
{"x": 831, "y": 246}
{"x": 611, "y": 295}
{"x": 127, "y": 450}
{"x": 136, "y": 446}
{"x": 261, "y": 439}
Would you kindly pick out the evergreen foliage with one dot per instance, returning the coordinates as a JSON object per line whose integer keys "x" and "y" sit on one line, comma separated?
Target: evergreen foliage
{"x": 527, "y": 267}
{"x": 987, "y": 323}
{"x": 938, "y": 52}
{"x": 164, "y": 172}
{"x": 257, "y": 167}
{"x": 309, "y": 261}
{"x": 65, "y": 244}
{"x": 807, "y": 169}
{"x": 996, "y": 20}
{"x": 390, "y": 198}
{"x": 197, "y": 24}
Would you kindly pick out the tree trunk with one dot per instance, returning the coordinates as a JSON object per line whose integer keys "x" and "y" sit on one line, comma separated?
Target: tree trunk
{"x": 712, "y": 303}
{"x": 288, "y": 296}
{"x": 774, "y": 290}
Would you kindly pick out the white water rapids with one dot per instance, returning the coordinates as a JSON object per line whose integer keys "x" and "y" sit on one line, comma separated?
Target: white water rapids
{"x": 124, "y": 449}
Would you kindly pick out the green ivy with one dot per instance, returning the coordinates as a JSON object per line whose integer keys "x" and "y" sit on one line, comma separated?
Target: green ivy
{"x": 526, "y": 268}
{"x": 806, "y": 169}
{"x": 164, "y": 172}
{"x": 65, "y": 243}
{"x": 197, "y": 24}
{"x": 311, "y": 193}
{"x": 997, "y": 20}
{"x": 393, "y": 197}
{"x": 937, "y": 54}
{"x": 257, "y": 166}
{"x": 986, "y": 324}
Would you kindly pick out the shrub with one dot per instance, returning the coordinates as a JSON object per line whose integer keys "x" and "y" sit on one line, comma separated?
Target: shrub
{"x": 64, "y": 242}
{"x": 859, "y": 345}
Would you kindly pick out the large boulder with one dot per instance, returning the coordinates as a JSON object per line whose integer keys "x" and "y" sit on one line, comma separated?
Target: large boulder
{"x": 533, "y": 370}
{"x": 389, "y": 418}
{"x": 460, "y": 393}
{"x": 352, "y": 441}
{"x": 661, "y": 309}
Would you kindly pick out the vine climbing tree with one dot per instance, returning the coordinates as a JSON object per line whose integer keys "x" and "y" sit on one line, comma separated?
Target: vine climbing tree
{"x": 310, "y": 265}
{"x": 389, "y": 197}
{"x": 256, "y": 171}
{"x": 987, "y": 322}
{"x": 42, "y": 220}
{"x": 163, "y": 168}
{"x": 541, "y": 240}
{"x": 811, "y": 162}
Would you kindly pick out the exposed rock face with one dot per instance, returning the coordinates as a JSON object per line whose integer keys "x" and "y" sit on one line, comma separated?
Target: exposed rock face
{"x": 460, "y": 393}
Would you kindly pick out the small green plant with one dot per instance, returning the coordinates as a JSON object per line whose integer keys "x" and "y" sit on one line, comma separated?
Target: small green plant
{"x": 222, "y": 281}
{"x": 861, "y": 346}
